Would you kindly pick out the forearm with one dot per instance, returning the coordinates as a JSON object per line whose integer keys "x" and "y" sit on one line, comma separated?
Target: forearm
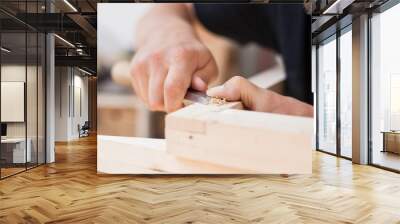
{"x": 168, "y": 20}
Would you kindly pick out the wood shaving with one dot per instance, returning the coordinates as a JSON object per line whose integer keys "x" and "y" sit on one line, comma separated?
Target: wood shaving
{"x": 217, "y": 101}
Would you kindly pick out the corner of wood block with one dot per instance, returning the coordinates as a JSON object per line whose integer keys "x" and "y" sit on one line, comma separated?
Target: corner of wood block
{"x": 184, "y": 119}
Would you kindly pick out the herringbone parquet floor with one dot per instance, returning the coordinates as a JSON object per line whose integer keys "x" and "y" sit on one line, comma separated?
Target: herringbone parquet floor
{"x": 70, "y": 191}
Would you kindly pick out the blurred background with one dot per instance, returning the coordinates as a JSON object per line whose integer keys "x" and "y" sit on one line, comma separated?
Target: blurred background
{"x": 120, "y": 112}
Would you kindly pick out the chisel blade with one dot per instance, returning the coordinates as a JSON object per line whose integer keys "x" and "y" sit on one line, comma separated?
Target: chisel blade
{"x": 197, "y": 97}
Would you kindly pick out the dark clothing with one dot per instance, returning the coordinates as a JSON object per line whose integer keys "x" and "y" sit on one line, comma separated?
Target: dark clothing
{"x": 283, "y": 28}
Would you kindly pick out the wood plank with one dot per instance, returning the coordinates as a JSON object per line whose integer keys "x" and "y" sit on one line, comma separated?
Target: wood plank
{"x": 130, "y": 155}
{"x": 262, "y": 142}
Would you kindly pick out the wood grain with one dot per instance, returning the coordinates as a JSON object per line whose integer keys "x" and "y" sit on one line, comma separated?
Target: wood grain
{"x": 130, "y": 155}
{"x": 70, "y": 191}
{"x": 260, "y": 142}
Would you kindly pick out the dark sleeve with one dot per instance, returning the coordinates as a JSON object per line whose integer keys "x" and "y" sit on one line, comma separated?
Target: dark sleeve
{"x": 285, "y": 28}
{"x": 292, "y": 26}
{"x": 243, "y": 23}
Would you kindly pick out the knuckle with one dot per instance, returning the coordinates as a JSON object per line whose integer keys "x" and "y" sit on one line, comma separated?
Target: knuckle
{"x": 137, "y": 68}
{"x": 182, "y": 53}
{"x": 237, "y": 80}
{"x": 155, "y": 57}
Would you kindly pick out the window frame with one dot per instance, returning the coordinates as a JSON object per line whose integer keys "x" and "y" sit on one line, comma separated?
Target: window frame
{"x": 346, "y": 27}
{"x": 31, "y": 30}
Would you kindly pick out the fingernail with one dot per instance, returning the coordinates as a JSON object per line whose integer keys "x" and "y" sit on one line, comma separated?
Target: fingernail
{"x": 214, "y": 90}
{"x": 199, "y": 84}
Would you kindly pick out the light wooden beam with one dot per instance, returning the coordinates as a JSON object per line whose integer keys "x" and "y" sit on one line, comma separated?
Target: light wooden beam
{"x": 261, "y": 142}
{"x": 210, "y": 139}
{"x": 130, "y": 155}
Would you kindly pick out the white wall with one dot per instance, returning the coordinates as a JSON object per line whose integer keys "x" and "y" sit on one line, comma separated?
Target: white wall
{"x": 80, "y": 100}
{"x": 33, "y": 126}
{"x": 82, "y": 82}
{"x": 116, "y": 25}
{"x": 12, "y": 73}
{"x": 62, "y": 81}
{"x": 70, "y": 83}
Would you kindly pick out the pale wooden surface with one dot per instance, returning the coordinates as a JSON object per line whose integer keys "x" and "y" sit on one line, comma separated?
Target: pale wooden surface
{"x": 262, "y": 142}
{"x": 122, "y": 115}
{"x": 214, "y": 139}
{"x": 71, "y": 191}
{"x": 127, "y": 155}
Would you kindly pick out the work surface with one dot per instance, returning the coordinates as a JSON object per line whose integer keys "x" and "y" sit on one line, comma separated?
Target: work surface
{"x": 70, "y": 191}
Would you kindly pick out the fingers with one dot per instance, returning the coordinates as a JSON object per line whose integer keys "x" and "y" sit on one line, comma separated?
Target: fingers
{"x": 257, "y": 99}
{"x": 203, "y": 76}
{"x": 161, "y": 78}
{"x": 237, "y": 89}
{"x": 162, "y": 88}
{"x": 156, "y": 84}
{"x": 232, "y": 90}
{"x": 198, "y": 84}
{"x": 139, "y": 77}
{"x": 176, "y": 84}
{"x": 157, "y": 72}
{"x": 148, "y": 81}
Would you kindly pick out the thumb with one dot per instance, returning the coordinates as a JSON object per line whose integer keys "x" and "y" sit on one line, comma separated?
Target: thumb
{"x": 202, "y": 77}
{"x": 237, "y": 89}
{"x": 198, "y": 84}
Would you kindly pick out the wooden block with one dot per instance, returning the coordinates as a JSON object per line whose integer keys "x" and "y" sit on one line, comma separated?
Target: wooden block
{"x": 228, "y": 105}
{"x": 130, "y": 155}
{"x": 246, "y": 140}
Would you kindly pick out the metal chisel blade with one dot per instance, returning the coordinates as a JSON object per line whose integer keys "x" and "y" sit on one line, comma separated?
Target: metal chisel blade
{"x": 197, "y": 97}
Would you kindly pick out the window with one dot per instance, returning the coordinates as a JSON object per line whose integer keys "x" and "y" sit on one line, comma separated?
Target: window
{"x": 346, "y": 93}
{"x": 385, "y": 89}
{"x": 22, "y": 77}
{"x": 327, "y": 96}
{"x": 14, "y": 148}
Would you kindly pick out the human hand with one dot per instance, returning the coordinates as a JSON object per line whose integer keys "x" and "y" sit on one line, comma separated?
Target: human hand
{"x": 168, "y": 62}
{"x": 258, "y": 99}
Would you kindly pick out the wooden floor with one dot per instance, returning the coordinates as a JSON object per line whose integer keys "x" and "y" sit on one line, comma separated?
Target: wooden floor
{"x": 70, "y": 191}
{"x": 5, "y": 172}
{"x": 8, "y": 171}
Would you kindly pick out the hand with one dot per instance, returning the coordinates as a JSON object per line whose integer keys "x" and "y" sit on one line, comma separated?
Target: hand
{"x": 258, "y": 99}
{"x": 169, "y": 61}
